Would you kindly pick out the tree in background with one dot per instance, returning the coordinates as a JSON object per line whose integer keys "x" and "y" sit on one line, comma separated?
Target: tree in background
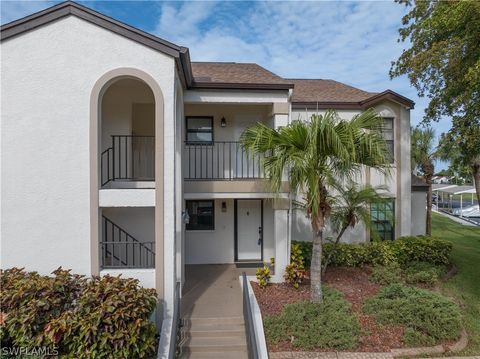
{"x": 318, "y": 156}
{"x": 443, "y": 62}
{"x": 423, "y": 154}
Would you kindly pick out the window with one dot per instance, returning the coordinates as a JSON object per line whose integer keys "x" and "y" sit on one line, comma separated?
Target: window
{"x": 383, "y": 215}
{"x": 199, "y": 130}
{"x": 202, "y": 214}
{"x": 387, "y": 133}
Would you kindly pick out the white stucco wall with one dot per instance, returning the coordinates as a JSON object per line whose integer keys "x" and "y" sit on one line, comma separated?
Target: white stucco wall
{"x": 139, "y": 222}
{"x": 47, "y": 79}
{"x": 419, "y": 213}
{"x": 117, "y": 108}
{"x": 146, "y": 277}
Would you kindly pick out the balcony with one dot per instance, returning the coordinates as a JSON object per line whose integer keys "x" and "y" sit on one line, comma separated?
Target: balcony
{"x": 220, "y": 161}
{"x": 129, "y": 158}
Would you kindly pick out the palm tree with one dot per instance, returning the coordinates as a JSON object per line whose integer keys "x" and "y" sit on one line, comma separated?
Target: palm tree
{"x": 317, "y": 155}
{"x": 423, "y": 154}
{"x": 352, "y": 206}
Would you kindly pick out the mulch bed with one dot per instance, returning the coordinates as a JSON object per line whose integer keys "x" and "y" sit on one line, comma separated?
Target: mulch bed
{"x": 354, "y": 283}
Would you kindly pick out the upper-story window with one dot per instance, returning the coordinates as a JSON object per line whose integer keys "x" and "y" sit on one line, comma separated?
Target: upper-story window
{"x": 199, "y": 130}
{"x": 387, "y": 132}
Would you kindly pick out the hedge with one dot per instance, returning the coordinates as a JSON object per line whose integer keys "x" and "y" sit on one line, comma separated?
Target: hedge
{"x": 402, "y": 251}
{"x": 101, "y": 317}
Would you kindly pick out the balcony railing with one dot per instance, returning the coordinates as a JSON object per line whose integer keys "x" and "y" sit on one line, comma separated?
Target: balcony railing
{"x": 119, "y": 249}
{"x": 220, "y": 160}
{"x": 129, "y": 158}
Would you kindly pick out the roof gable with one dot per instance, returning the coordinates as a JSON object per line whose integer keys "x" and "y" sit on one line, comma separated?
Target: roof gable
{"x": 70, "y": 8}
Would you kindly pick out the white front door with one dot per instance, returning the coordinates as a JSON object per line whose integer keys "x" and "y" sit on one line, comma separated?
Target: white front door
{"x": 249, "y": 229}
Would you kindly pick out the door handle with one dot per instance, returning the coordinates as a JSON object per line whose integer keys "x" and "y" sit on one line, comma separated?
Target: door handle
{"x": 260, "y": 235}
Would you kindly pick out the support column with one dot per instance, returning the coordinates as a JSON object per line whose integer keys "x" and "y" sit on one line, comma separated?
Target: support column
{"x": 280, "y": 117}
{"x": 280, "y": 225}
{"x": 404, "y": 185}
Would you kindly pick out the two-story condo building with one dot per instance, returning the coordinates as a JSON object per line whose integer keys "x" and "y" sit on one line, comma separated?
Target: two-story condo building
{"x": 121, "y": 155}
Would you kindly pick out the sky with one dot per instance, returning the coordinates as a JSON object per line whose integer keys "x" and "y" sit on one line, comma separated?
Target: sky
{"x": 350, "y": 42}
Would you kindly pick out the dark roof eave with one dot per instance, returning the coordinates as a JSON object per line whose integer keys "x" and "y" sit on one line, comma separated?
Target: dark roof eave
{"x": 239, "y": 86}
{"x": 360, "y": 105}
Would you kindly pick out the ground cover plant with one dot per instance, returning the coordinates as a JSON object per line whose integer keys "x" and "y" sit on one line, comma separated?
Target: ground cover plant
{"x": 427, "y": 316}
{"x": 307, "y": 325}
{"x": 105, "y": 317}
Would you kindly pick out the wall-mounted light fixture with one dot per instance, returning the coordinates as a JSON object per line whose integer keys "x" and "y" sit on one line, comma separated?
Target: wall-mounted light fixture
{"x": 224, "y": 206}
{"x": 223, "y": 122}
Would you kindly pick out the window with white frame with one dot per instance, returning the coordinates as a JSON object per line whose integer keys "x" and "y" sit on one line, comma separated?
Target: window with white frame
{"x": 387, "y": 133}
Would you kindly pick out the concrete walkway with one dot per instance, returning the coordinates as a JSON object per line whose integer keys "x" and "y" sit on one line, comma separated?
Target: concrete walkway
{"x": 212, "y": 312}
{"x": 212, "y": 291}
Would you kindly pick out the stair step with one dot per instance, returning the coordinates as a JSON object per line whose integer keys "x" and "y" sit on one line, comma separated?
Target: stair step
{"x": 242, "y": 354}
{"x": 218, "y": 333}
{"x": 217, "y": 320}
{"x": 209, "y": 344}
{"x": 213, "y": 327}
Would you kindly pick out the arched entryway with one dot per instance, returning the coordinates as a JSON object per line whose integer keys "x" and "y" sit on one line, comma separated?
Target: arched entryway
{"x": 126, "y": 125}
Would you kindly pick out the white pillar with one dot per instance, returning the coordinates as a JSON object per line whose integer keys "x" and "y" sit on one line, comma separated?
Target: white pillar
{"x": 280, "y": 116}
{"x": 404, "y": 174}
{"x": 280, "y": 228}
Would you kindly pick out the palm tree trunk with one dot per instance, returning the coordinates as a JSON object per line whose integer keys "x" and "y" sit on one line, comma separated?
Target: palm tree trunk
{"x": 327, "y": 260}
{"x": 429, "y": 171}
{"x": 476, "y": 178}
{"x": 316, "y": 268}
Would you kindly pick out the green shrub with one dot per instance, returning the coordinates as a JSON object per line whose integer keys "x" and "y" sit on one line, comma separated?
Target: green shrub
{"x": 295, "y": 271}
{"x": 104, "y": 317}
{"x": 387, "y": 274}
{"x": 111, "y": 320}
{"x": 330, "y": 325}
{"x": 422, "y": 249}
{"x": 306, "y": 248}
{"x": 31, "y": 300}
{"x": 263, "y": 275}
{"x": 423, "y": 273}
{"x": 428, "y": 316}
{"x": 414, "y": 338}
{"x": 404, "y": 250}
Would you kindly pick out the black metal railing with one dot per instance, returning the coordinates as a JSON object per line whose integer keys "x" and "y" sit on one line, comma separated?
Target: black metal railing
{"x": 130, "y": 157}
{"x": 220, "y": 160}
{"x": 248, "y": 318}
{"x": 176, "y": 322}
{"x": 121, "y": 250}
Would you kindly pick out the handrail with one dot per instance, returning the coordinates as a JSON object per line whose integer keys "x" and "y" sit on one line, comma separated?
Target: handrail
{"x": 127, "y": 234}
{"x": 175, "y": 323}
{"x": 220, "y": 160}
{"x": 129, "y": 157}
{"x": 131, "y": 253}
{"x": 248, "y": 318}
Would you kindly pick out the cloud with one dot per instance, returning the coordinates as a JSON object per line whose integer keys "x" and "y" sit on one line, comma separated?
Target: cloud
{"x": 351, "y": 42}
{"x": 13, "y": 10}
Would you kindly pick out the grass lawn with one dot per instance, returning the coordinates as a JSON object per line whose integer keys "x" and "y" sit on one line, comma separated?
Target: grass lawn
{"x": 465, "y": 285}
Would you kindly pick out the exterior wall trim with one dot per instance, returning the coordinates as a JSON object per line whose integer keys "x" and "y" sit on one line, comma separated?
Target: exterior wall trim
{"x": 95, "y": 116}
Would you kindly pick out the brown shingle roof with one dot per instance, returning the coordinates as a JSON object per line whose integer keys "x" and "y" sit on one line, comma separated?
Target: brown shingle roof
{"x": 326, "y": 91}
{"x": 232, "y": 73}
